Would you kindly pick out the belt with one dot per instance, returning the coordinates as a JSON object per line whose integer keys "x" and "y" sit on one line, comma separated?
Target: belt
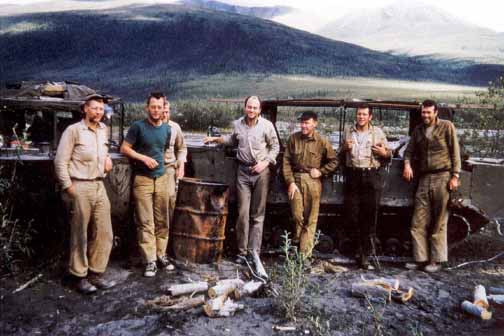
{"x": 87, "y": 180}
{"x": 247, "y": 164}
{"x": 364, "y": 169}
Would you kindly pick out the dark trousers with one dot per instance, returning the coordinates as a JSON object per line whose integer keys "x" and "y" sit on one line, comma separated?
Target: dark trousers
{"x": 363, "y": 189}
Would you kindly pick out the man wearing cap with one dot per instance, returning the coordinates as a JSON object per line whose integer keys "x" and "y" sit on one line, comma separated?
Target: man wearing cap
{"x": 175, "y": 158}
{"x": 365, "y": 151}
{"x": 308, "y": 156}
{"x": 81, "y": 163}
{"x": 434, "y": 146}
{"x": 258, "y": 148}
{"x": 145, "y": 144}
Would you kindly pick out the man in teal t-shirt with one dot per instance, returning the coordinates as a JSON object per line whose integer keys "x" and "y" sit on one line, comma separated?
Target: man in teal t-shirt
{"x": 145, "y": 145}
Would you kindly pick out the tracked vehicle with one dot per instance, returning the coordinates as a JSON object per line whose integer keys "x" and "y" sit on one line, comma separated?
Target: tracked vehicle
{"x": 473, "y": 206}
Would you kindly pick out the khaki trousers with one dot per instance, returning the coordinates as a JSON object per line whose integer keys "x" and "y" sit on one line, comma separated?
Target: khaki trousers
{"x": 305, "y": 210}
{"x": 151, "y": 214}
{"x": 252, "y": 193}
{"x": 430, "y": 218}
{"x": 172, "y": 194}
{"x": 91, "y": 234}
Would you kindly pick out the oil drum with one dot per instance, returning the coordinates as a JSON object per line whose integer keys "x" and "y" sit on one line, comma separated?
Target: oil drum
{"x": 199, "y": 222}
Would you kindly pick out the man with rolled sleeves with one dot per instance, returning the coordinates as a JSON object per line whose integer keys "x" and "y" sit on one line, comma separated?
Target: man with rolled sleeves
{"x": 145, "y": 144}
{"x": 258, "y": 148}
{"x": 175, "y": 158}
{"x": 81, "y": 164}
{"x": 365, "y": 150}
{"x": 435, "y": 148}
{"x": 308, "y": 156}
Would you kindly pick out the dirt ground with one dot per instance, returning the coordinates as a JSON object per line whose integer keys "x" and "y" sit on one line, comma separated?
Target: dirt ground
{"x": 51, "y": 307}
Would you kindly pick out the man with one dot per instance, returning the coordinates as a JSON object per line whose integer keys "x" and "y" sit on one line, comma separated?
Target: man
{"x": 308, "y": 156}
{"x": 435, "y": 147}
{"x": 258, "y": 148}
{"x": 175, "y": 158}
{"x": 145, "y": 144}
{"x": 365, "y": 150}
{"x": 81, "y": 163}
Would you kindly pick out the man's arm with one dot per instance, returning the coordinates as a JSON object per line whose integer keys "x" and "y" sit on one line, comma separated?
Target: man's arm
{"x": 331, "y": 158}
{"x": 454, "y": 148}
{"x": 127, "y": 149}
{"x": 273, "y": 144}
{"x": 180, "y": 152}
{"x": 287, "y": 169}
{"x": 63, "y": 157}
{"x": 408, "y": 154}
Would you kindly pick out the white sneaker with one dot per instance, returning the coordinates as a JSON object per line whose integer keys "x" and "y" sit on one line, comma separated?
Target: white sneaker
{"x": 259, "y": 268}
{"x": 165, "y": 263}
{"x": 150, "y": 269}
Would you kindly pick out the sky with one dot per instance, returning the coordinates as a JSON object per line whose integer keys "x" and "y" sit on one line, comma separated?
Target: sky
{"x": 484, "y": 13}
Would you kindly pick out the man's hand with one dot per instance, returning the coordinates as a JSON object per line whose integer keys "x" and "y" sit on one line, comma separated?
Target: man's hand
{"x": 150, "y": 162}
{"x": 454, "y": 183}
{"x": 108, "y": 164}
{"x": 347, "y": 145}
{"x": 180, "y": 170}
{"x": 315, "y": 173}
{"x": 259, "y": 167}
{"x": 292, "y": 190}
{"x": 70, "y": 190}
{"x": 407, "y": 172}
{"x": 210, "y": 139}
{"x": 380, "y": 150}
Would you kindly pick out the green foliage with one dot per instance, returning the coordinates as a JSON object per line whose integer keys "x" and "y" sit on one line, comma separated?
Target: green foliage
{"x": 16, "y": 235}
{"x": 293, "y": 279}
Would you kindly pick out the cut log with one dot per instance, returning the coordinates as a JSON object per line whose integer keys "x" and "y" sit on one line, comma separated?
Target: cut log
{"x": 480, "y": 297}
{"x": 212, "y": 306}
{"x": 284, "y": 328}
{"x": 478, "y": 311}
{"x": 189, "y": 303}
{"x": 163, "y": 301}
{"x": 389, "y": 284}
{"x": 499, "y": 299}
{"x": 402, "y": 296}
{"x": 248, "y": 289}
{"x": 496, "y": 290}
{"x": 366, "y": 289}
{"x": 188, "y": 288}
{"x": 225, "y": 287}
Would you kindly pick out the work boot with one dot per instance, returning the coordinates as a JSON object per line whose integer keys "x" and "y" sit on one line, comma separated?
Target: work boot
{"x": 85, "y": 287}
{"x": 165, "y": 263}
{"x": 241, "y": 259}
{"x": 150, "y": 269}
{"x": 100, "y": 282}
{"x": 432, "y": 268}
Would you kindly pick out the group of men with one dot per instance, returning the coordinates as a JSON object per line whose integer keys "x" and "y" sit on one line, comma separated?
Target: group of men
{"x": 157, "y": 151}
{"x": 156, "y": 148}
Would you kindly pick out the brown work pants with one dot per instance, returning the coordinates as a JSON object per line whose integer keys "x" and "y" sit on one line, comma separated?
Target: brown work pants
{"x": 305, "y": 210}
{"x": 172, "y": 193}
{"x": 91, "y": 234}
{"x": 430, "y": 218}
{"x": 252, "y": 193}
{"x": 151, "y": 214}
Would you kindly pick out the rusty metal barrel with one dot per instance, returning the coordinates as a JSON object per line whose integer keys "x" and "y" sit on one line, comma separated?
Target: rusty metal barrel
{"x": 199, "y": 222}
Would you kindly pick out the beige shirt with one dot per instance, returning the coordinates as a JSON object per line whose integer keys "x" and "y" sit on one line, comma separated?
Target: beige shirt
{"x": 81, "y": 153}
{"x": 256, "y": 143}
{"x": 177, "y": 152}
{"x": 361, "y": 155}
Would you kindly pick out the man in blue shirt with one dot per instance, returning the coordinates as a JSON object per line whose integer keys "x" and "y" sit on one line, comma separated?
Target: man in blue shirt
{"x": 145, "y": 145}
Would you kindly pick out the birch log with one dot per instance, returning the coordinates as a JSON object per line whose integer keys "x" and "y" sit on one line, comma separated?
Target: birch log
{"x": 499, "y": 299}
{"x": 496, "y": 290}
{"x": 478, "y": 311}
{"x": 480, "y": 297}
{"x": 194, "y": 287}
{"x": 248, "y": 289}
{"x": 225, "y": 287}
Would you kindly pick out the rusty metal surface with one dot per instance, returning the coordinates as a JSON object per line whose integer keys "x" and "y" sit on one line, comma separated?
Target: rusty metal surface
{"x": 487, "y": 189}
{"x": 198, "y": 232}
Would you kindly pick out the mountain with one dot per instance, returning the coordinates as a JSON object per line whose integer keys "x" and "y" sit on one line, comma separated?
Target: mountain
{"x": 414, "y": 28}
{"x": 130, "y": 48}
{"x": 269, "y": 12}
